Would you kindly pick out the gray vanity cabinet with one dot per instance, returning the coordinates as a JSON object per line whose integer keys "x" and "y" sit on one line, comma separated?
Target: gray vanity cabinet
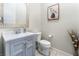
{"x": 24, "y": 46}
{"x": 18, "y": 48}
{"x": 30, "y": 47}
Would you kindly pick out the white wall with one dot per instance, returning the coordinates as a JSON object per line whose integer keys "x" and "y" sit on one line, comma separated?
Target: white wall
{"x": 34, "y": 17}
{"x": 58, "y": 29}
{"x": 1, "y": 9}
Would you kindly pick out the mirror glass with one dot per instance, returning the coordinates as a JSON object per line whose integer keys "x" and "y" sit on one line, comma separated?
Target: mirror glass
{"x": 14, "y": 14}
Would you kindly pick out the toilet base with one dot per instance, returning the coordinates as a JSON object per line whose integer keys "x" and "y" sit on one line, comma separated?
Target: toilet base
{"x": 43, "y": 47}
{"x": 44, "y": 51}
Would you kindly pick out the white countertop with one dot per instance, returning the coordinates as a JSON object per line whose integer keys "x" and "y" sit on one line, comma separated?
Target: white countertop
{"x": 10, "y": 36}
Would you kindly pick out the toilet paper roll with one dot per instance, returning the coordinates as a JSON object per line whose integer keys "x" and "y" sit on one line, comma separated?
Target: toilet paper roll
{"x": 49, "y": 36}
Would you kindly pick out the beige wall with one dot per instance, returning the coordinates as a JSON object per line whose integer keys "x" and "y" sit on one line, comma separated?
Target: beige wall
{"x": 76, "y": 19}
{"x": 38, "y": 22}
{"x": 58, "y": 29}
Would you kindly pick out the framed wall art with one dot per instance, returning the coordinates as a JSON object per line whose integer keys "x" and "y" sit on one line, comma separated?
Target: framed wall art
{"x": 53, "y": 12}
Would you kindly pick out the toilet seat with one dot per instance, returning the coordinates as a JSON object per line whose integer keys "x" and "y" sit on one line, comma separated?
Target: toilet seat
{"x": 45, "y": 43}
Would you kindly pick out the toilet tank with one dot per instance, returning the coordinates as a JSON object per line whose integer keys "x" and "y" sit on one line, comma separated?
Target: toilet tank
{"x": 39, "y": 36}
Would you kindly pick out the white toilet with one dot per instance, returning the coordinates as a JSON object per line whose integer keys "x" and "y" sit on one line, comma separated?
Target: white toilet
{"x": 43, "y": 45}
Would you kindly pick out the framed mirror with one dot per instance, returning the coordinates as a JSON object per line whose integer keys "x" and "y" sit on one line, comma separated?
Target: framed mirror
{"x": 16, "y": 14}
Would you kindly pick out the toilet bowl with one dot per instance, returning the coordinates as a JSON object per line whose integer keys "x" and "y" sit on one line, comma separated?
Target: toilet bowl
{"x": 43, "y": 45}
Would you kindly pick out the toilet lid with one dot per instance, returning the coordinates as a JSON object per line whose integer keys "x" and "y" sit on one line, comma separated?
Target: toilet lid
{"x": 45, "y": 42}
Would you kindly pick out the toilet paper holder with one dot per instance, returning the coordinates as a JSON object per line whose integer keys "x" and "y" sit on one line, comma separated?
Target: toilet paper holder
{"x": 50, "y": 36}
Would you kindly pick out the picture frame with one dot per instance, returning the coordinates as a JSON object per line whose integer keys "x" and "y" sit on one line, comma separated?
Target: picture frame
{"x": 53, "y": 12}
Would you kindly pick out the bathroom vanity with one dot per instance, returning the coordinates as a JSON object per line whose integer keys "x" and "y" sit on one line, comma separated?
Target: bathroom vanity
{"x": 22, "y": 44}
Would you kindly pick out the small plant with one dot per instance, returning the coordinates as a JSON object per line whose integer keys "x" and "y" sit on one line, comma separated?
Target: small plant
{"x": 75, "y": 41}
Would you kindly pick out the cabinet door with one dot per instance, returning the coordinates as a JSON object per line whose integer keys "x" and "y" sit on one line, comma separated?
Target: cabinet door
{"x": 30, "y": 47}
{"x": 18, "y": 48}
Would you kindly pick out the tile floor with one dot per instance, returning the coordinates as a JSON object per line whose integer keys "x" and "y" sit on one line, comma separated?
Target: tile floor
{"x": 55, "y": 52}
